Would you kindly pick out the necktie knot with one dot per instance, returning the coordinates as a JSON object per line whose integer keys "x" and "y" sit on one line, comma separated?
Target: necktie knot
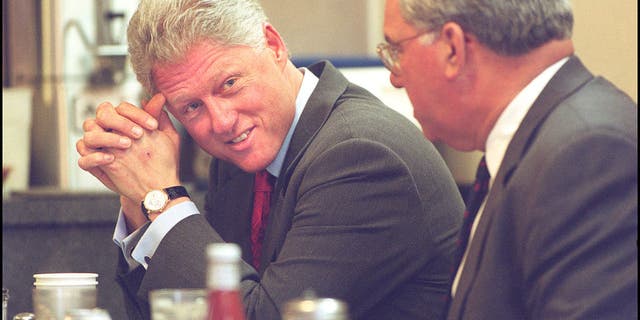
{"x": 263, "y": 182}
{"x": 482, "y": 174}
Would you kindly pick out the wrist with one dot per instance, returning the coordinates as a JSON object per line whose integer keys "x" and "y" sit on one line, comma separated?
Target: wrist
{"x": 171, "y": 203}
{"x": 132, "y": 214}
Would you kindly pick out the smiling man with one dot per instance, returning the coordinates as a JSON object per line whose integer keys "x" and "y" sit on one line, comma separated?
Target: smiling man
{"x": 363, "y": 208}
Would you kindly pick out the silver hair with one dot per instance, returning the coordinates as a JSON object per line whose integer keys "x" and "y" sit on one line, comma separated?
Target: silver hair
{"x": 508, "y": 27}
{"x": 163, "y": 31}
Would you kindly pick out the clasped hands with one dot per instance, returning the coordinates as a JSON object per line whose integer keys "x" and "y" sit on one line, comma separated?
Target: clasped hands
{"x": 131, "y": 151}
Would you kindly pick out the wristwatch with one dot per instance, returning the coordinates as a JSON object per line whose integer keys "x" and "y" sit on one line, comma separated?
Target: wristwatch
{"x": 156, "y": 200}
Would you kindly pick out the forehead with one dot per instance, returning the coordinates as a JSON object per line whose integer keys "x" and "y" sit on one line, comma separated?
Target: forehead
{"x": 205, "y": 50}
{"x": 206, "y": 56}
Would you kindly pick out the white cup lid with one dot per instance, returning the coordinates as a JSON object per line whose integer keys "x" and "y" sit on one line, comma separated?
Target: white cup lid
{"x": 65, "y": 279}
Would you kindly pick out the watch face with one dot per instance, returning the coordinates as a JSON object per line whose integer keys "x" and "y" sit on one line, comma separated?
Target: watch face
{"x": 155, "y": 200}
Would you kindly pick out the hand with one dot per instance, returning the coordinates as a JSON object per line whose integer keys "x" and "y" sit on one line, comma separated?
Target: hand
{"x": 109, "y": 130}
{"x": 152, "y": 161}
{"x": 113, "y": 129}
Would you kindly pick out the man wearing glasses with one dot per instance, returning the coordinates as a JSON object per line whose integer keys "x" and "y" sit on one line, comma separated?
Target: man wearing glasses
{"x": 551, "y": 230}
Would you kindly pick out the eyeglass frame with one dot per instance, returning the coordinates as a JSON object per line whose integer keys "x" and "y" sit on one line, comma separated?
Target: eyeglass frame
{"x": 388, "y": 52}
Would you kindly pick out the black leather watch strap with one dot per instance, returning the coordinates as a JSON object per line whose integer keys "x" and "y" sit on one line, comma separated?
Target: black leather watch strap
{"x": 176, "y": 192}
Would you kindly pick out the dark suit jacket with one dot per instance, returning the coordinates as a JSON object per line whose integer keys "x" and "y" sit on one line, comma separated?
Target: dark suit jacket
{"x": 364, "y": 210}
{"x": 558, "y": 235}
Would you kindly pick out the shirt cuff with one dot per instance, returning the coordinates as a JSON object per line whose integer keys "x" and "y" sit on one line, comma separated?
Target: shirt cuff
{"x": 127, "y": 242}
{"x": 149, "y": 241}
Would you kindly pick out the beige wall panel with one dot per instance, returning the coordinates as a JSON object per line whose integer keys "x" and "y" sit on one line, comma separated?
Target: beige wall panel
{"x": 606, "y": 39}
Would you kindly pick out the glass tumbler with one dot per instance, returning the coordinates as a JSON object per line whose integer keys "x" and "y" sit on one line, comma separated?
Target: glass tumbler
{"x": 56, "y": 293}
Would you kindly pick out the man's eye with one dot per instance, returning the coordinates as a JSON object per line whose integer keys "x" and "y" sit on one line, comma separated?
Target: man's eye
{"x": 229, "y": 83}
{"x": 190, "y": 107}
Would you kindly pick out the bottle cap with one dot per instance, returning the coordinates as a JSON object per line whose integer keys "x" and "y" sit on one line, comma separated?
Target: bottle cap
{"x": 224, "y": 252}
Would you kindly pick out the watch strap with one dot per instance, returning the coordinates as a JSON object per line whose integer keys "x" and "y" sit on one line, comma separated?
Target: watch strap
{"x": 176, "y": 192}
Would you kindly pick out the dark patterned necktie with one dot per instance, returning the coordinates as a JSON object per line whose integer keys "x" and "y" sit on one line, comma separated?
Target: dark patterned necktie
{"x": 261, "y": 201}
{"x": 479, "y": 191}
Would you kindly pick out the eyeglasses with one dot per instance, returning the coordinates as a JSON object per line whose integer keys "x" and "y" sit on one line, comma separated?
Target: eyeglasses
{"x": 388, "y": 52}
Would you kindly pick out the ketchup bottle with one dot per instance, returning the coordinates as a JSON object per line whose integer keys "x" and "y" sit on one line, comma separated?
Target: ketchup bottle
{"x": 223, "y": 279}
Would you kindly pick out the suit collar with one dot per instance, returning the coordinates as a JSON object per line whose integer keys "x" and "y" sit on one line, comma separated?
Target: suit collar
{"x": 567, "y": 80}
{"x": 323, "y": 100}
{"x": 317, "y": 110}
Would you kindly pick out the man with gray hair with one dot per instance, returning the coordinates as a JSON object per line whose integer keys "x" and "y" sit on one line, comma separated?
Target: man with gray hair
{"x": 550, "y": 230}
{"x": 363, "y": 208}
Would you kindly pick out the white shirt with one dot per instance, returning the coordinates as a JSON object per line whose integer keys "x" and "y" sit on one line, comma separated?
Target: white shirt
{"x": 139, "y": 246}
{"x": 501, "y": 135}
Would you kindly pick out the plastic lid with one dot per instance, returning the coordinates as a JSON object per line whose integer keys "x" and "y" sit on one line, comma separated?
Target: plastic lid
{"x": 65, "y": 279}
{"x": 224, "y": 252}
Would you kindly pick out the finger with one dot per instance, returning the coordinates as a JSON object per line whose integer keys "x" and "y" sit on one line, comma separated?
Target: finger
{"x": 164, "y": 122}
{"x": 95, "y": 160}
{"x": 108, "y": 139}
{"x": 154, "y": 106}
{"x": 90, "y": 125}
{"x": 110, "y": 120}
{"x": 103, "y": 177}
{"x": 137, "y": 115}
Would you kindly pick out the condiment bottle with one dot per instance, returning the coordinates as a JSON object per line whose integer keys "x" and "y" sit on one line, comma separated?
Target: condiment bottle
{"x": 223, "y": 281}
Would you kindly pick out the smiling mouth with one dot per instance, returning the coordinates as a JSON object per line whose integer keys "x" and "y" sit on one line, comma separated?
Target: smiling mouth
{"x": 240, "y": 138}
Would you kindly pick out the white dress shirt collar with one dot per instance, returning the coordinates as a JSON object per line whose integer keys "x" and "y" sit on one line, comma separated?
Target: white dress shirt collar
{"x": 309, "y": 83}
{"x": 510, "y": 119}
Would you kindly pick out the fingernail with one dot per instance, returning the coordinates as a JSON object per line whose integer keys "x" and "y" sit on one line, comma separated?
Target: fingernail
{"x": 125, "y": 142}
{"x": 108, "y": 157}
{"x": 137, "y": 131}
{"x": 152, "y": 123}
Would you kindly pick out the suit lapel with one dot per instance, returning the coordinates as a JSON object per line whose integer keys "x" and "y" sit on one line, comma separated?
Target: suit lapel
{"x": 565, "y": 82}
{"x": 229, "y": 204}
{"x": 330, "y": 86}
{"x": 321, "y": 103}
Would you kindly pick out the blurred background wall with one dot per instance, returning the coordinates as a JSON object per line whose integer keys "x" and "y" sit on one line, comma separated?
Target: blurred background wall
{"x": 45, "y": 51}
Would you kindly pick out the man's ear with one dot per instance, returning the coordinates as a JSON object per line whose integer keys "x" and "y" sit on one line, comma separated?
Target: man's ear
{"x": 455, "y": 42}
{"x": 276, "y": 44}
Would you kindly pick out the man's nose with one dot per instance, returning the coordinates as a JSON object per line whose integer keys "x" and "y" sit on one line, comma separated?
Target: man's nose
{"x": 223, "y": 117}
{"x": 396, "y": 80}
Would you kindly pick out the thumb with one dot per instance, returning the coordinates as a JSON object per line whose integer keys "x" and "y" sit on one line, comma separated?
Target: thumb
{"x": 154, "y": 106}
{"x": 166, "y": 125}
{"x": 164, "y": 122}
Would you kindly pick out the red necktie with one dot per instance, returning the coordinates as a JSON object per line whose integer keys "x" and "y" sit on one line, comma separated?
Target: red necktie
{"x": 261, "y": 202}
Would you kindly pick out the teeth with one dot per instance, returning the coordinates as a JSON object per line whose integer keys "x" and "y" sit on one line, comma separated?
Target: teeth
{"x": 243, "y": 136}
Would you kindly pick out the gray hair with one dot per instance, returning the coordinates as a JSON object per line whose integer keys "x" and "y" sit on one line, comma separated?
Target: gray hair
{"x": 164, "y": 30}
{"x": 508, "y": 27}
